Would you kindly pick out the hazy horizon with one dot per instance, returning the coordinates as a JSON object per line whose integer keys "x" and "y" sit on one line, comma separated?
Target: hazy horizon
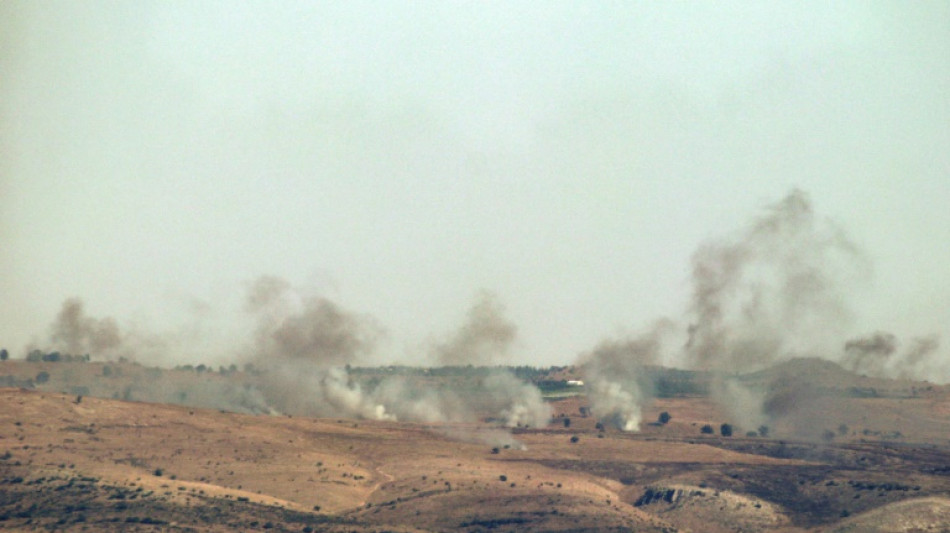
{"x": 157, "y": 158}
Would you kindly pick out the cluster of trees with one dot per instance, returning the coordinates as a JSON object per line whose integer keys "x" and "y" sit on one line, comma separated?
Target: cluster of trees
{"x": 224, "y": 371}
{"x": 36, "y": 356}
{"x": 524, "y": 372}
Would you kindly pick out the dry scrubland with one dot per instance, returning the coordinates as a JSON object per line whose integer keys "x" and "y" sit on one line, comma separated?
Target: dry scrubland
{"x": 70, "y": 463}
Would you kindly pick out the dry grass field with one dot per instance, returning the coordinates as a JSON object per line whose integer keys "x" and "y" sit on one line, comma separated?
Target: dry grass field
{"x": 70, "y": 463}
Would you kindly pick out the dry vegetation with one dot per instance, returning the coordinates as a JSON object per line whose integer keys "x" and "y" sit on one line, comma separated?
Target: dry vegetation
{"x": 71, "y": 463}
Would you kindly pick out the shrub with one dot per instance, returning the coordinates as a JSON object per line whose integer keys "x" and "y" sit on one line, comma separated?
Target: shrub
{"x": 763, "y": 431}
{"x": 158, "y": 472}
{"x": 575, "y": 438}
{"x": 567, "y": 422}
{"x": 503, "y": 478}
{"x": 664, "y": 417}
{"x": 725, "y": 430}
{"x": 706, "y": 430}
{"x": 42, "y": 377}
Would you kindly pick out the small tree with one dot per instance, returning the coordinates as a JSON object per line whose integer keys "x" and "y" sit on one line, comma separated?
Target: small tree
{"x": 4, "y": 354}
{"x": 575, "y": 438}
{"x": 567, "y": 422}
{"x": 706, "y": 430}
{"x": 42, "y": 377}
{"x": 664, "y": 417}
{"x": 763, "y": 431}
{"x": 726, "y": 430}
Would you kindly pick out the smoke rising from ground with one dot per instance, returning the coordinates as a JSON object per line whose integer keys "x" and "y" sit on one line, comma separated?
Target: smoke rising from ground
{"x": 613, "y": 373}
{"x": 305, "y": 345}
{"x": 300, "y": 354}
{"x": 75, "y": 333}
{"x": 777, "y": 290}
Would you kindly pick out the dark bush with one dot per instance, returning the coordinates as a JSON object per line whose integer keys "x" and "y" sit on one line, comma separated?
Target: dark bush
{"x": 575, "y": 438}
{"x": 664, "y": 417}
{"x": 726, "y": 430}
{"x": 42, "y": 377}
{"x": 706, "y": 430}
{"x": 567, "y": 422}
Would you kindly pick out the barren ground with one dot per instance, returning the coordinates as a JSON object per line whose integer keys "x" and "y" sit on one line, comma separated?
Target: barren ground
{"x": 106, "y": 464}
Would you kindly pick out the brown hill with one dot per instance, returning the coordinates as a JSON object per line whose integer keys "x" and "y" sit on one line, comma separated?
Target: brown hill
{"x": 99, "y": 464}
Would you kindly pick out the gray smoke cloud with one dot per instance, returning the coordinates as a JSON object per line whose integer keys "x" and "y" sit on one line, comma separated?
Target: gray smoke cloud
{"x": 880, "y": 355}
{"x": 304, "y": 346}
{"x": 485, "y": 338}
{"x": 76, "y": 333}
{"x": 775, "y": 291}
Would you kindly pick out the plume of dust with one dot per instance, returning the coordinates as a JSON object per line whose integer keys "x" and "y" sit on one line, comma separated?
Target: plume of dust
{"x": 613, "y": 374}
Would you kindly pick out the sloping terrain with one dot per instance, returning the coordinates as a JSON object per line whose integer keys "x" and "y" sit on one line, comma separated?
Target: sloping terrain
{"x": 101, "y": 464}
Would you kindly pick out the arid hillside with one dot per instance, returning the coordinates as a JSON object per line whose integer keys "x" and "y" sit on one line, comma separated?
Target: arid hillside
{"x": 83, "y": 463}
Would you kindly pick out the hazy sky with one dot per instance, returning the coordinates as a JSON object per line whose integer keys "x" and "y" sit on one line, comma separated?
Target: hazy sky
{"x": 156, "y": 157}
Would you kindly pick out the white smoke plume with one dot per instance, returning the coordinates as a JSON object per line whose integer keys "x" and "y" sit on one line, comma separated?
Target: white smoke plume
{"x": 614, "y": 378}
